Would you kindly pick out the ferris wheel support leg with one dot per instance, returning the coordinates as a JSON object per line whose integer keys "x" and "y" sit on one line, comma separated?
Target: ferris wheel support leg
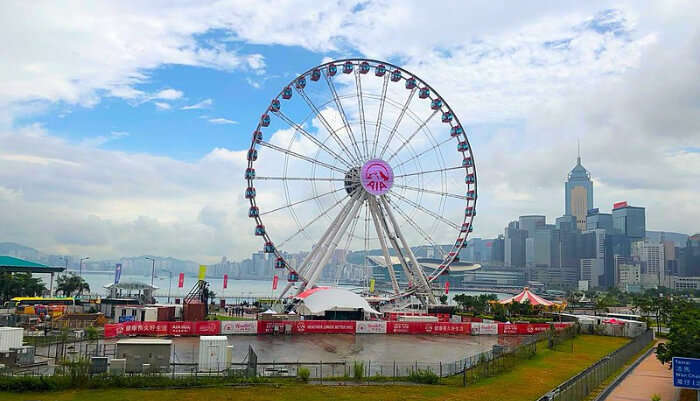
{"x": 387, "y": 259}
{"x": 304, "y": 267}
{"x": 392, "y": 239}
{"x": 332, "y": 242}
{"x": 418, "y": 270}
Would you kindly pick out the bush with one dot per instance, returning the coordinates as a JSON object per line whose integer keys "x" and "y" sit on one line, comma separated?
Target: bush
{"x": 423, "y": 377}
{"x": 303, "y": 374}
{"x": 358, "y": 370}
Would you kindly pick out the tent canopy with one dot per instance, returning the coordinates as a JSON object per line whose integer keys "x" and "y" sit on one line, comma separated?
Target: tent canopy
{"x": 527, "y": 296}
{"x": 15, "y": 265}
{"x": 317, "y": 301}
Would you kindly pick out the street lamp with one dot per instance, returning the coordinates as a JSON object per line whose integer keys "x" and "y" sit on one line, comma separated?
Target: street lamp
{"x": 153, "y": 268}
{"x": 81, "y": 265}
{"x": 170, "y": 282}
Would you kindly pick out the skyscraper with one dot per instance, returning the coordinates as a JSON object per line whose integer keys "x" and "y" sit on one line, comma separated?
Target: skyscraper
{"x": 629, "y": 220}
{"x": 578, "y": 194}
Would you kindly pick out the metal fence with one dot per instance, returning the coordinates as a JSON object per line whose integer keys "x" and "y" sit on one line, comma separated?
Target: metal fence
{"x": 580, "y": 386}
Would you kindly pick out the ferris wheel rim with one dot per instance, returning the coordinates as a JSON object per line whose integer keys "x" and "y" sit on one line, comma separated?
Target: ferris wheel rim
{"x": 468, "y": 220}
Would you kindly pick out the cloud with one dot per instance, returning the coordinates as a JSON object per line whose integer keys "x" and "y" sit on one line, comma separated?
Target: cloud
{"x": 168, "y": 94}
{"x": 102, "y": 139}
{"x": 199, "y": 105}
{"x": 221, "y": 121}
{"x": 162, "y": 105}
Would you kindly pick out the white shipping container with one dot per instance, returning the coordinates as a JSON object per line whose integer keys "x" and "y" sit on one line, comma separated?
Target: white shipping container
{"x": 213, "y": 353}
{"x": 10, "y": 337}
{"x": 150, "y": 314}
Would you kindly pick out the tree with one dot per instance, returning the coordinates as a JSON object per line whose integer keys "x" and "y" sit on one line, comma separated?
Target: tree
{"x": 71, "y": 283}
{"x": 443, "y": 299}
{"x": 684, "y": 334}
{"x": 19, "y": 285}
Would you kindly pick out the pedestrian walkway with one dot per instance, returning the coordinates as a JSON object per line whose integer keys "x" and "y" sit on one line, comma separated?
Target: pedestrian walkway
{"x": 648, "y": 378}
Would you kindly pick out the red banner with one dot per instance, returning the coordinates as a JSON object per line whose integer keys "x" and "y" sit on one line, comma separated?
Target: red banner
{"x": 225, "y": 280}
{"x": 324, "y": 327}
{"x": 274, "y": 327}
{"x": 207, "y": 328}
{"x": 447, "y": 287}
{"x": 181, "y": 280}
{"x": 275, "y": 279}
{"x": 428, "y": 328}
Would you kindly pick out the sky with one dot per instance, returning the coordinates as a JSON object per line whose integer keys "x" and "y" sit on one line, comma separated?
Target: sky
{"x": 124, "y": 125}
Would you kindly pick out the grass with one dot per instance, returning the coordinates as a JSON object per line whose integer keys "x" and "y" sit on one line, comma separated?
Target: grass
{"x": 527, "y": 381}
{"x": 229, "y": 318}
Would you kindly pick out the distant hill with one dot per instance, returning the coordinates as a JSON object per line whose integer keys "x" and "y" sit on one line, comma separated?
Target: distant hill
{"x": 23, "y": 252}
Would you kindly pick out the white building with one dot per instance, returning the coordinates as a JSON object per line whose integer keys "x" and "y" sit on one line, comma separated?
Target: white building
{"x": 651, "y": 257}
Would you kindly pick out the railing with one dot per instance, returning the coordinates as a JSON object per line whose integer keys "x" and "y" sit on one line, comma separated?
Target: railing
{"x": 580, "y": 386}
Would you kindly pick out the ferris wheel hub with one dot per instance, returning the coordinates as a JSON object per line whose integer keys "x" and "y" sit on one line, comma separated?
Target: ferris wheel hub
{"x": 377, "y": 177}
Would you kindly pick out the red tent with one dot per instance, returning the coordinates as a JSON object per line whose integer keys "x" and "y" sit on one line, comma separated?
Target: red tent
{"x": 527, "y": 296}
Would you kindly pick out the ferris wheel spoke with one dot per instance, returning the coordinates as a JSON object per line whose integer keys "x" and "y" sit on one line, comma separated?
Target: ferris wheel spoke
{"x": 300, "y": 156}
{"x": 312, "y": 138}
{"x": 302, "y": 201}
{"x": 429, "y": 191}
{"x": 404, "y": 143}
{"x": 343, "y": 116}
{"x": 268, "y": 178}
{"x": 423, "y": 152}
{"x": 382, "y": 100}
{"x": 327, "y": 125}
{"x": 310, "y": 223}
{"x": 385, "y": 250}
{"x": 417, "y": 227}
{"x": 361, "y": 107}
{"x": 429, "y": 171}
{"x": 425, "y": 210}
{"x": 384, "y": 225}
{"x": 398, "y": 121}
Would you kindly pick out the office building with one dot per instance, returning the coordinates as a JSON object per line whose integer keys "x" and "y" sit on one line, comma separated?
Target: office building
{"x": 629, "y": 220}
{"x": 578, "y": 194}
{"x": 498, "y": 250}
{"x": 514, "y": 244}
{"x": 692, "y": 256}
{"x": 531, "y": 223}
{"x": 566, "y": 223}
{"x": 651, "y": 257}
{"x": 596, "y": 220}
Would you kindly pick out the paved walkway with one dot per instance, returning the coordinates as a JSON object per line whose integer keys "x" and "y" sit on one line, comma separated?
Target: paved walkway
{"x": 648, "y": 378}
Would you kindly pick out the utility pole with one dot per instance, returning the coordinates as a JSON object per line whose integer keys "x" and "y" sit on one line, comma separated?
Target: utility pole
{"x": 153, "y": 268}
{"x": 81, "y": 265}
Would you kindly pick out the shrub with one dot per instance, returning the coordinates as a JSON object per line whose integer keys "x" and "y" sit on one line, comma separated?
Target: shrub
{"x": 303, "y": 374}
{"x": 358, "y": 370}
{"x": 423, "y": 377}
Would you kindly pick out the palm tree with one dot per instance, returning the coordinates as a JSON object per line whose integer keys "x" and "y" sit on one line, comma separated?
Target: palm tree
{"x": 71, "y": 283}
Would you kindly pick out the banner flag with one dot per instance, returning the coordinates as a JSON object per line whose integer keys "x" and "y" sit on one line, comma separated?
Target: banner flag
{"x": 202, "y": 272}
{"x": 371, "y": 285}
{"x": 181, "y": 280}
{"x": 447, "y": 287}
{"x": 118, "y": 273}
{"x": 225, "y": 280}
{"x": 274, "y": 282}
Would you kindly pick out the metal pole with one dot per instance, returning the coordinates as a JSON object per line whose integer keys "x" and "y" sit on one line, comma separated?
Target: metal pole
{"x": 170, "y": 283}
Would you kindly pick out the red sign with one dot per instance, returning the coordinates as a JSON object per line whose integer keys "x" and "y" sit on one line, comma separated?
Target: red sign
{"x": 207, "y": 328}
{"x": 181, "y": 280}
{"x": 181, "y": 329}
{"x": 618, "y": 205}
{"x": 272, "y": 327}
{"x": 427, "y": 328}
{"x": 225, "y": 280}
{"x": 324, "y": 327}
{"x": 447, "y": 287}
{"x": 275, "y": 279}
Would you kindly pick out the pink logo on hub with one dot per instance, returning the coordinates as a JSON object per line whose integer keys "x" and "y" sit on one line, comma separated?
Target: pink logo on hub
{"x": 377, "y": 177}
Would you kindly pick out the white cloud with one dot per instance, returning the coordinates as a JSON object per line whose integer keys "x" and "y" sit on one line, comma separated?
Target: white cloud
{"x": 199, "y": 105}
{"x": 102, "y": 139}
{"x": 221, "y": 121}
{"x": 162, "y": 105}
{"x": 168, "y": 94}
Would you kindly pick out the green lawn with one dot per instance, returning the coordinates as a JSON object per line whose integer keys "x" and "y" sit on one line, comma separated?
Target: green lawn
{"x": 530, "y": 379}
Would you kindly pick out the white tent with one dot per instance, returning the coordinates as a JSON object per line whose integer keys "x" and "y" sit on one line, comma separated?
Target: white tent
{"x": 317, "y": 301}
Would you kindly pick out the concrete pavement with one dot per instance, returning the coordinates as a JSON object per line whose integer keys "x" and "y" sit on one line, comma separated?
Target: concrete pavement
{"x": 648, "y": 378}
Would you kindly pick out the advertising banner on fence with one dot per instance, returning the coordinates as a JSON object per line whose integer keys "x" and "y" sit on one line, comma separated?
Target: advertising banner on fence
{"x": 273, "y": 327}
{"x": 239, "y": 327}
{"x": 113, "y": 330}
{"x": 207, "y": 328}
{"x": 428, "y": 328}
{"x": 181, "y": 328}
{"x": 371, "y": 327}
{"x": 324, "y": 327}
{"x": 485, "y": 329}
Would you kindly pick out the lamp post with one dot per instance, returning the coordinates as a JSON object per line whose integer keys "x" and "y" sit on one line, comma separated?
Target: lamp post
{"x": 170, "y": 283}
{"x": 81, "y": 265}
{"x": 153, "y": 268}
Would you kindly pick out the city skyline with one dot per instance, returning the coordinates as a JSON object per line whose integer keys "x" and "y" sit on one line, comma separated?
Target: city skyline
{"x": 106, "y": 152}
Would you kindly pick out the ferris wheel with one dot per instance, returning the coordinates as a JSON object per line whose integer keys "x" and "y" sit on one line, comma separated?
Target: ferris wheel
{"x": 361, "y": 159}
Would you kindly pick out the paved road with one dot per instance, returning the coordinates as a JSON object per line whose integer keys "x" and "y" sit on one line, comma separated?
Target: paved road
{"x": 648, "y": 378}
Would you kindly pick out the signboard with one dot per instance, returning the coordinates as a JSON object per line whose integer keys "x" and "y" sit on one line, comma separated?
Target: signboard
{"x": 686, "y": 373}
{"x": 487, "y": 329}
{"x": 225, "y": 281}
{"x": 275, "y": 280}
{"x": 370, "y": 327}
{"x": 202, "y": 272}
{"x": 324, "y": 327}
{"x": 207, "y": 328}
{"x": 447, "y": 287}
{"x": 239, "y": 327}
{"x": 181, "y": 280}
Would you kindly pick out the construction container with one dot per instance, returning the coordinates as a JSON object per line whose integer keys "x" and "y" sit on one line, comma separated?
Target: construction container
{"x": 194, "y": 312}
{"x": 166, "y": 313}
{"x": 214, "y": 353}
{"x": 10, "y": 337}
{"x": 149, "y": 314}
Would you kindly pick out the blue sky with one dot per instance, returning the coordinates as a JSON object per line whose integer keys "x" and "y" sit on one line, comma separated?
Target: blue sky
{"x": 102, "y": 153}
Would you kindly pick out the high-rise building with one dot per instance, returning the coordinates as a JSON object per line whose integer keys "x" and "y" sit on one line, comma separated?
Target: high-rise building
{"x": 596, "y": 220}
{"x": 531, "y": 223}
{"x": 498, "y": 250}
{"x": 578, "y": 194}
{"x": 651, "y": 257}
{"x": 566, "y": 223}
{"x": 692, "y": 256}
{"x": 629, "y": 220}
{"x": 514, "y": 241}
